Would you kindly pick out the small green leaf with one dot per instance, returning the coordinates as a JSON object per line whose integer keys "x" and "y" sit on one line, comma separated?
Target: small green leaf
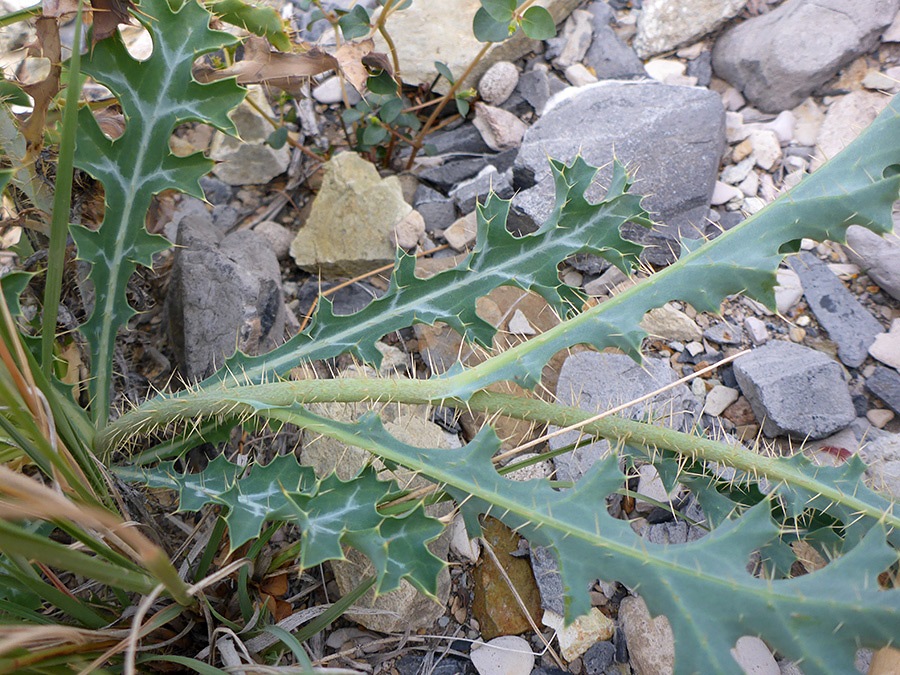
{"x": 277, "y": 138}
{"x": 390, "y": 110}
{"x": 263, "y": 21}
{"x": 500, "y": 10}
{"x": 444, "y": 71}
{"x": 382, "y": 83}
{"x": 408, "y": 120}
{"x": 317, "y": 15}
{"x": 351, "y": 115}
{"x": 538, "y": 24}
{"x": 486, "y": 29}
{"x": 462, "y": 106}
{"x": 374, "y": 134}
{"x": 355, "y": 23}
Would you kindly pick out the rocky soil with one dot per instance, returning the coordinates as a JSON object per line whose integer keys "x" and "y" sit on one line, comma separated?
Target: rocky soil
{"x": 719, "y": 105}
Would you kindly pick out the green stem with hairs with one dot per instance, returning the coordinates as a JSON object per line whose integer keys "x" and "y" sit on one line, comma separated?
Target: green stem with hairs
{"x": 267, "y": 398}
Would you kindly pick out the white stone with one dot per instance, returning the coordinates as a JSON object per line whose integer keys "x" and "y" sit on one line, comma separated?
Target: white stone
{"x": 724, "y": 193}
{"x": 328, "y": 92}
{"x": 892, "y": 32}
{"x": 754, "y": 657}
{"x": 461, "y": 234}
{"x": 498, "y": 83}
{"x": 578, "y": 75}
{"x": 719, "y": 398}
{"x": 788, "y": 290}
{"x": 732, "y": 99}
{"x": 664, "y": 25}
{"x": 766, "y": 148}
{"x": 661, "y": 69}
{"x": 783, "y": 126}
{"x": 650, "y": 485}
{"x": 409, "y": 231}
{"x": 757, "y": 330}
{"x": 670, "y": 323}
{"x": 505, "y": 655}
{"x": 518, "y": 324}
{"x": 754, "y": 205}
{"x": 694, "y": 348}
{"x": 442, "y": 31}
{"x": 698, "y": 389}
{"x": 500, "y": 129}
{"x": 576, "y": 638}
{"x": 879, "y": 417}
{"x": 886, "y": 347}
{"x": 846, "y": 118}
{"x": 735, "y": 131}
{"x": 750, "y": 185}
{"x": 461, "y": 543}
{"x": 808, "y": 119}
{"x": 536, "y": 471}
{"x": 878, "y": 81}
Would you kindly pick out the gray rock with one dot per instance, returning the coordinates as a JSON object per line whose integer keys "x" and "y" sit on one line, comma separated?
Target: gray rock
{"x": 675, "y": 135}
{"x": 596, "y": 382}
{"x": 664, "y": 25}
{"x": 651, "y": 644}
{"x": 849, "y": 324}
{"x": 724, "y": 333}
{"x": 545, "y": 566}
{"x": 221, "y": 294}
{"x": 216, "y": 191}
{"x": 608, "y": 55}
{"x": 795, "y": 390}
{"x": 437, "y": 210}
{"x": 599, "y": 657}
{"x": 701, "y": 68}
{"x": 475, "y": 189}
{"x": 448, "y": 175}
{"x": 879, "y": 257}
{"x": 577, "y": 35}
{"x": 464, "y": 139}
{"x": 885, "y": 384}
{"x": 537, "y": 86}
{"x": 247, "y": 160}
{"x": 780, "y": 58}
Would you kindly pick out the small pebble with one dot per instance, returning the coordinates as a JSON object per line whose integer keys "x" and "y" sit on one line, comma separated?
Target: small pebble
{"x": 505, "y": 655}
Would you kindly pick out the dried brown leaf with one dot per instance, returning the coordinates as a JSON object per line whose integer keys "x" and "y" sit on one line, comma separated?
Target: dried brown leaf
{"x": 48, "y": 47}
{"x": 111, "y": 121}
{"x": 108, "y": 14}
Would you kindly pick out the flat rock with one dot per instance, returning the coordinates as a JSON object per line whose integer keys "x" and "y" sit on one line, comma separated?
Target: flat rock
{"x": 795, "y": 390}
{"x": 754, "y": 657}
{"x": 886, "y": 347}
{"x": 442, "y": 31}
{"x": 850, "y": 325}
{"x": 779, "y": 58}
{"x": 349, "y": 227}
{"x": 545, "y": 566}
{"x": 675, "y": 134}
{"x": 651, "y": 644}
{"x": 664, "y": 25}
{"x": 500, "y": 129}
{"x": 881, "y": 452}
{"x": 719, "y": 398}
{"x": 223, "y": 293}
{"x": 537, "y": 85}
{"x": 247, "y": 160}
{"x": 885, "y": 384}
{"x": 505, "y": 655}
{"x": 724, "y": 333}
{"x": 878, "y": 257}
{"x": 788, "y": 290}
{"x": 596, "y": 382}
{"x": 438, "y": 211}
{"x": 576, "y": 638}
{"x": 476, "y": 189}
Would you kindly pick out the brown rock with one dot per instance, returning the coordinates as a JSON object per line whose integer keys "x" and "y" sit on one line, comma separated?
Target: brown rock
{"x": 651, "y": 644}
{"x": 740, "y": 413}
{"x": 495, "y": 606}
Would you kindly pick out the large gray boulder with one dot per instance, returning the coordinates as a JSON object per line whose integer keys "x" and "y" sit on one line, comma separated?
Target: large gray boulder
{"x": 671, "y": 136}
{"x": 223, "y": 294}
{"x": 780, "y": 58}
{"x": 794, "y": 390}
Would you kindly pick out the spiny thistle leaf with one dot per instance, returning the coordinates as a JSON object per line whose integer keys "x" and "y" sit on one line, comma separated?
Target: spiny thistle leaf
{"x": 528, "y": 262}
{"x": 818, "y": 620}
{"x": 857, "y": 187}
{"x": 329, "y": 513}
{"x": 155, "y": 96}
